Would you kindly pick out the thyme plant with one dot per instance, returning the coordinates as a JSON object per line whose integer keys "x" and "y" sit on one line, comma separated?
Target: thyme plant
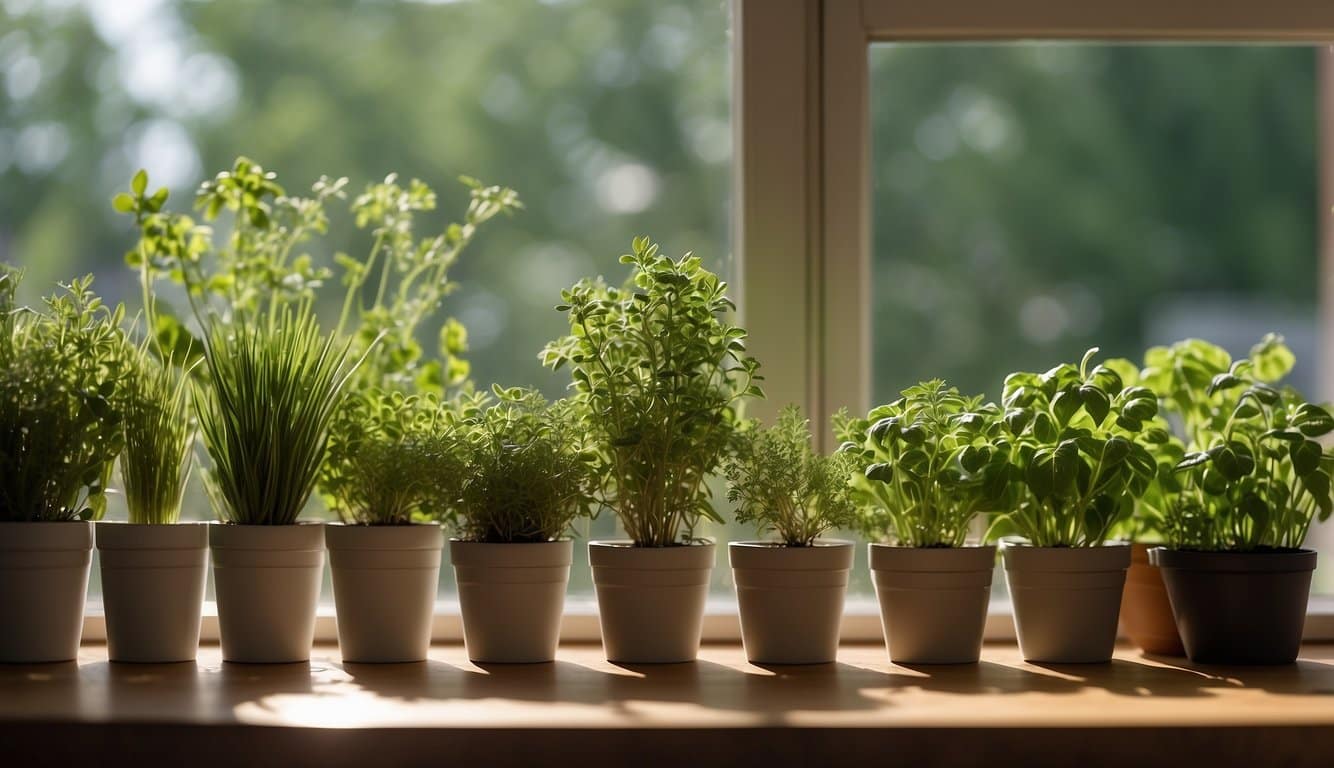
{"x": 62, "y": 373}
{"x": 1079, "y": 455}
{"x": 930, "y": 463}
{"x": 660, "y": 374}
{"x": 780, "y": 484}
{"x": 526, "y": 475}
{"x": 1254, "y": 475}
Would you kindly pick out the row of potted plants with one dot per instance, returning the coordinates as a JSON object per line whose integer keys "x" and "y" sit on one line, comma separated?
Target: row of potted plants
{"x": 397, "y": 442}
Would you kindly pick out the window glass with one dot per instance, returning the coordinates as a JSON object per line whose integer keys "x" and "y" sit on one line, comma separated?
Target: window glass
{"x": 1032, "y": 200}
{"x": 610, "y": 117}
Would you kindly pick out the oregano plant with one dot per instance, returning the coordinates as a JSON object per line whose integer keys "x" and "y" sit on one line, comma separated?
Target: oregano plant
{"x": 661, "y": 374}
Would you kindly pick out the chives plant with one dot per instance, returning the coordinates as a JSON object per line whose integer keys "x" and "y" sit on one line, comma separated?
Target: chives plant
{"x": 275, "y": 385}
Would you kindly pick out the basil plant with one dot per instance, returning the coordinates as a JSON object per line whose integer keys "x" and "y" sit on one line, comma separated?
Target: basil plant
{"x": 1254, "y": 474}
{"x": 1080, "y": 455}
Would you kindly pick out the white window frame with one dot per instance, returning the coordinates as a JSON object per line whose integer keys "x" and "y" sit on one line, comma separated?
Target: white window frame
{"x": 803, "y": 153}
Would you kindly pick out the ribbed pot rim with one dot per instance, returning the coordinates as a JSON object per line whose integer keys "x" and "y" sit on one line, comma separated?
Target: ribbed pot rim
{"x": 124, "y": 535}
{"x": 622, "y": 553}
{"x": 1264, "y": 561}
{"x": 1104, "y": 557}
{"x": 415, "y": 536}
{"x": 529, "y": 554}
{"x": 891, "y": 557}
{"x": 46, "y": 535}
{"x": 823, "y": 555}
{"x": 302, "y": 535}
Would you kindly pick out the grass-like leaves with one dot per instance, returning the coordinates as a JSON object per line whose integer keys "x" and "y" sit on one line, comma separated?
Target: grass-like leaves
{"x": 275, "y": 384}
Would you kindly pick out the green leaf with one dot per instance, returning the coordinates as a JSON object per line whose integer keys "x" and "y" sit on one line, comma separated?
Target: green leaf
{"x": 123, "y": 203}
{"x": 1306, "y": 457}
{"x": 139, "y": 182}
{"x": 1096, "y": 402}
{"x": 1222, "y": 382}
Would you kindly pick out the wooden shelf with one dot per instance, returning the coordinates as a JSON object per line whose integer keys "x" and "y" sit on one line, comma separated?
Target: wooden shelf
{"x": 720, "y": 710}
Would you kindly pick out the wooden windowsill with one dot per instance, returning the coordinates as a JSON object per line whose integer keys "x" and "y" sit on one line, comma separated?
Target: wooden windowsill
{"x": 720, "y": 710}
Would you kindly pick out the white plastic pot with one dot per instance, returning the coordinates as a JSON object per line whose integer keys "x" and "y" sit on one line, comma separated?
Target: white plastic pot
{"x": 43, "y": 586}
{"x": 933, "y": 601}
{"x": 384, "y": 581}
{"x": 267, "y": 579}
{"x": 790, "y": 599}
{"x": 511, "y": 597}
{"x": 1066, "y": 600}
{"x": 650, "y": 599}
{"x": 153, "y": 579}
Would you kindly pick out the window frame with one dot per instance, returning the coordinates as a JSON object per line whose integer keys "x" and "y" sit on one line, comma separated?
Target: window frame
{"x": 802, "y": 153}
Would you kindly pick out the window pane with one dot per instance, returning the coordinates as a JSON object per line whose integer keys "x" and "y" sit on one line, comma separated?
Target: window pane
{"x": 1032, "y": 200}
{"x": 610, "y": 117}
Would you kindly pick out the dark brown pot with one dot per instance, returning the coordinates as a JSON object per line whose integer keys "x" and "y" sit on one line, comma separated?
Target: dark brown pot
{"x": 1238, "y": 607}
{"x": 1146, "y": 611}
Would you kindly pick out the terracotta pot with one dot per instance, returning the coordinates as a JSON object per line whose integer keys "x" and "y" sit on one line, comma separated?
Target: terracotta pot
{"x": 511, "y": 597}
{"x": 790, "y": 599}
{"x": 1146, "y": 613}
{"x": 43, "y": 586}
{"x": 933, "y": 601}
{"x": 1238, "y": 607}
{"x": 650, "y": 599}
{"x": 385, "y": 579}
{"x": 1066, "y": 600}
{"x": 267, "y": 579}
{"x": 153, "y": 579}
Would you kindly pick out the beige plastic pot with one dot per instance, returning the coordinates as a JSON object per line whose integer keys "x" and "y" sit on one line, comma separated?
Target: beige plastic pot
{"x": 384, "y": 582}
{"x": 43, "y": 586}
{"x": 153, "y": 580}
{"x": 512, "y": 597}
{"x": 267, "y": 579}
{"x": 790, "y": 599}
{"x": 933, "y": 601}
{"x": 1066, "y": 600}
{"x": 650, "y": 599}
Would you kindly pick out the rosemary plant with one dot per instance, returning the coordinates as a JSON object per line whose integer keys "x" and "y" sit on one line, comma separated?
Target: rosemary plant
{"x": 778, "y": 483}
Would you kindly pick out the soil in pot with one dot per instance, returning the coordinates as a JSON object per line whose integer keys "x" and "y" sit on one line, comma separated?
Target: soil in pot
{"x": 512, "y": 597}
{"x": 267, "y": 579}
{"x": 790, "y": 599}
{"x": 43, "y": 586}
{"x": 153, "y": 580}
{"x": 1146, "y": 612}
{"x": 385, "y": 579}
{"x": 933, "y": 601}
{"x": 1238, "y": 607}
{"x": 650, "y": 599}
{"x": 1066, "y": 600}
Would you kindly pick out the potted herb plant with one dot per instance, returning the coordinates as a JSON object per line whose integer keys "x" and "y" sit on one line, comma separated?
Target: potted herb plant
{"x": 931, "y": 463}
{"x": 1077, "y": 470}
{"x": 1252, "y": 482}
{"x": 659, "y": 373}
{"x": 274, "y": 381}
{"x": 790, "y": 590}
{"x": 525, "y": 478}
{"x": 392, "y": 449}
{"x": 154, "y": 567}
{"x": 61, "y": 373}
